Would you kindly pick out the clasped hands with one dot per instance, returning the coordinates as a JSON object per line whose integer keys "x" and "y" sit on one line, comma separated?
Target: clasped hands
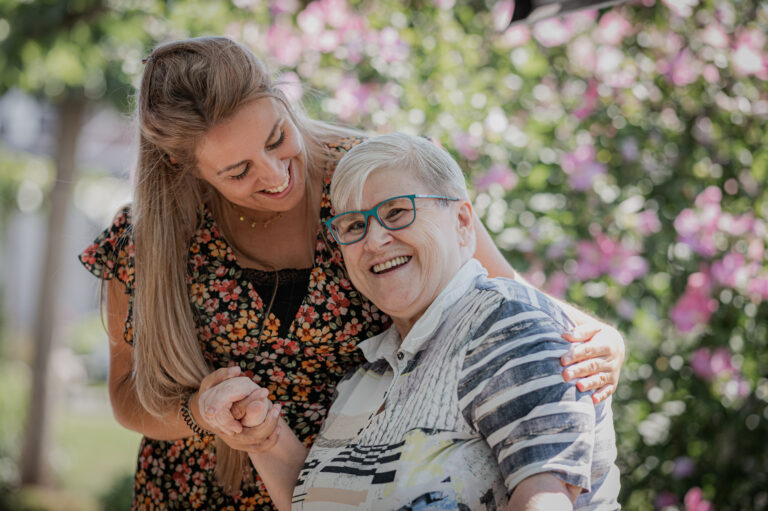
{"x": 238, "y": 410}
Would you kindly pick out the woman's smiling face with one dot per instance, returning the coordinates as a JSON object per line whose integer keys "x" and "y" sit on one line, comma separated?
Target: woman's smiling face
{"x": 255, "y": 159}
{"x": 403, "y": 271}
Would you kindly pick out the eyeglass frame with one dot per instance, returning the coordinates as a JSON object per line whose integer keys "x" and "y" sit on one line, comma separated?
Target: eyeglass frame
{"x": 373, "y": 213}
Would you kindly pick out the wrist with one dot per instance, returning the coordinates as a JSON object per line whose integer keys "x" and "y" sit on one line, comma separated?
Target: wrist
{"x": 190, "y": 412}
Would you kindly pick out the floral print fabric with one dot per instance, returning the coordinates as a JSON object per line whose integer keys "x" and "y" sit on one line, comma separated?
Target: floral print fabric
{"x": 300, "y": 369}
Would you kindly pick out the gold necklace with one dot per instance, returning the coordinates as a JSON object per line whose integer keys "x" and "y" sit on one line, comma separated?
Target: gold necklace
{"x": 253, "y": 223}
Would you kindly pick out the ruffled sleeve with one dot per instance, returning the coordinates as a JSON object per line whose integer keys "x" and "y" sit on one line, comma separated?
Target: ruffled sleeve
{"x": 111, "y": 255}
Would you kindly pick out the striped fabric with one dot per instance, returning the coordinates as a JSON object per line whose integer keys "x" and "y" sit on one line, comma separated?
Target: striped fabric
{"x": 469, "y": 404}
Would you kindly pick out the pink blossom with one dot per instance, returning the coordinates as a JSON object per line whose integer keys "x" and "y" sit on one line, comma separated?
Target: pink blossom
{"x": 606, "y": 256}
{"x": 497, "y": 174}
{"x": 582, "y": 53}
{"x": 608, "y": 60}
{"x": 613, "y": 28}
{"x": 552, "y": 32}
{"x": 391, "y": 47}
{"x": 736, "y": 225}
{"x": 715, "y": 36}
{"x": 694, "y": 501}
{"x": 684, "y": 69}
{"x": 683, "y": 8}
{"x": 557, "y": 284}
{"x": 758, "y": 287}
{"x": 710, "y": 73}
{"x": 684, "y": 467}
{"x": 467, "y": 145}
{"x": 756, "y": 250}
{"x": 581, "y": 167}
{"x": 501, "y": 13}
{"x": 747, "y": 57}
{"x": 352, "y": 97}
{"x": 710, "y": 195}
{"x": 664, "y": 499}
{"x": 311, "y": 20}
{"x": 517, "y": 35}
{"x": 589, "y": 102}
{"x": 337, "y": 14}
{"x": 648, "y": 222}
{"x": 726, "y": 270}
{"x": 283, "y": 6}
{"x": 709, "y": 366}
{"x": 695, "y": 306}
{"x": 284, "y": 44}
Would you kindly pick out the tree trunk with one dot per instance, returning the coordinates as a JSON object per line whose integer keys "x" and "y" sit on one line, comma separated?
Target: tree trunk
{"x": 34, "y": 460}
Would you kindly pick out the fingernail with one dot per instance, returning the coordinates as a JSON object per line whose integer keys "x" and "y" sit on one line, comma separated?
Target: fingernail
{"x": 566, "y": 360}
{"x": 234, "y": 370}
{"x": 567, "y": 375}
{"x": 210, "y": 412}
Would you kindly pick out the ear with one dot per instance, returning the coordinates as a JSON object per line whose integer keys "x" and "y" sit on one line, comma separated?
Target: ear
{"x": 465, "y": 217}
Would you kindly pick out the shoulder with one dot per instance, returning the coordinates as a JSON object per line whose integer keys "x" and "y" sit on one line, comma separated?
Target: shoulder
{"x": 112, "y": 252}
{"x": 344, "y": 144}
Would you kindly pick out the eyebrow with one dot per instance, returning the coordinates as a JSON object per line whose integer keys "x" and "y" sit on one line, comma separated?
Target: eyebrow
{"x": 235, "y": 165}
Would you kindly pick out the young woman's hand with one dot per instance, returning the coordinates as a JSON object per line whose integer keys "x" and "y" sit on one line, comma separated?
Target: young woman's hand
{"x": 596, "y": 358}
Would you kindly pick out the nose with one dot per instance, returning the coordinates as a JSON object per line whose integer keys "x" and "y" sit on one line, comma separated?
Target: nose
{"x": 376, "y": 236}
{"x": 273, "y": 171}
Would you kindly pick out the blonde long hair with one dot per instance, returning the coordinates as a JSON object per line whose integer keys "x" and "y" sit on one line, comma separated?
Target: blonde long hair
{"x": 187, "y": 88}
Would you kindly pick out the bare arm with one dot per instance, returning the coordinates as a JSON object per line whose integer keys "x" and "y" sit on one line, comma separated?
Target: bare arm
{"x": 543, "y": 492}
{"x": 122, "y": 391}
{"x": 279, "y": 466}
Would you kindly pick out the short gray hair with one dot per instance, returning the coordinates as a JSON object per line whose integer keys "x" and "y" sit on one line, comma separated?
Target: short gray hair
{"x": 429, "y": 163}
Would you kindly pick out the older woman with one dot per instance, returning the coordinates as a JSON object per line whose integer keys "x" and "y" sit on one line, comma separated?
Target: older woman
{"x": 460, "y": 404}
{"x": 220, "y": 268}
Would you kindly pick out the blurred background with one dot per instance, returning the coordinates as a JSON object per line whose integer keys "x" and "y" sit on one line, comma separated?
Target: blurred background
{"x": 618, "y": 156}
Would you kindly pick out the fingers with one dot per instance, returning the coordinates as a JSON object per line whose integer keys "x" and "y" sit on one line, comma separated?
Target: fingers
{"x": 215, "y": 403}
{"x": 582, "y": 333}
{"x": 603, "y": 393}
{"x": 585, "y": 351}
{"x": 240, "y": 408}
{"x": 218, "y": 376}
{"x": 591, "y": 367}
{"x": 258, "y": 438}
{"x": 256, "y": 412}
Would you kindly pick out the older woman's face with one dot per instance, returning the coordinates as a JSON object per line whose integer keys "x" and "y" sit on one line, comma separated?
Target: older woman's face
{"x": 255, "y": 159}
{"x": 422, "y": 257}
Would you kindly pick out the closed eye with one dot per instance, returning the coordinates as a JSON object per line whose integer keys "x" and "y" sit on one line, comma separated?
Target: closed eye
{"x": 274, "y": 145}
{"x": 243, "y": 173}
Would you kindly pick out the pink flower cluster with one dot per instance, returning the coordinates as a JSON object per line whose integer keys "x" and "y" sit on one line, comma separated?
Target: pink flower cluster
{"x": 701, "y": 227}
{"x": 498, "y": 174}
{"x": 582, "y": 167}
{"x": 324, "y": 26}
{"x": 694, "y": 500}
{"x": 696, "y": 304}
{"x": 606, "y": 256}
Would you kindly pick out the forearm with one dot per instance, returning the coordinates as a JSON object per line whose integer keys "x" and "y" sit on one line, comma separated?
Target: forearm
{"x": 128, "y": 411}
{"x": 279, "y": 467}
{"x": 543, "y": 492}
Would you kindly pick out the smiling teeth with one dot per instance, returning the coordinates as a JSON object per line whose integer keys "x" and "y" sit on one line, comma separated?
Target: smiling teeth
{"x": 283, "y": 186}
{"x": 397, "y": 261}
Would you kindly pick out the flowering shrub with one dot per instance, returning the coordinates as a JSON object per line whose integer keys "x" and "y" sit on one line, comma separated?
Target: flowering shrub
{"x": 619, "y": 159}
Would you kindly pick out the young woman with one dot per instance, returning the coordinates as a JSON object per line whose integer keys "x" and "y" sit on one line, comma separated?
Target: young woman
{"x": 221, "y": 262}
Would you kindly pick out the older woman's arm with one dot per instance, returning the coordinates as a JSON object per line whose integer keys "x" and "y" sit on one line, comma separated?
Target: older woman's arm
{"x": 597, "y": 362}
{"x": 543, "y": 492}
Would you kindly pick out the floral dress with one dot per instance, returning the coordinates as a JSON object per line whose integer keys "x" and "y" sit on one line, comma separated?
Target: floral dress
{"x": 299, "y": 363}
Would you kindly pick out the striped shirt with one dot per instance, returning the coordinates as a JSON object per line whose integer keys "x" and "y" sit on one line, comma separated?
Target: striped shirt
{"x": 456, "y": 415}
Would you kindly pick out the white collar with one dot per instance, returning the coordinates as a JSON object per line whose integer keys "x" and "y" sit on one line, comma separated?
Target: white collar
{"x": 388, "y": 342}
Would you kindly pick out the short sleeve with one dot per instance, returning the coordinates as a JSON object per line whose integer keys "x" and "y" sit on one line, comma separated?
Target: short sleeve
{"x": 111, "y": 255}
{"x": 512, "y": 392}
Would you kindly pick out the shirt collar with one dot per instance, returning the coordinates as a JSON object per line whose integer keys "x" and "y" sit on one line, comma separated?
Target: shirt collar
{"x": 388, "y": 342}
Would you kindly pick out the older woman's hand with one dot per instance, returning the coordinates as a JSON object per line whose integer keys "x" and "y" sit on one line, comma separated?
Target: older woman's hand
{"x": 596, "y": 358}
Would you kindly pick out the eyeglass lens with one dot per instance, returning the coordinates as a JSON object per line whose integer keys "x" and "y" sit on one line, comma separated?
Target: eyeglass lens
{"x": 392, "y": 214}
